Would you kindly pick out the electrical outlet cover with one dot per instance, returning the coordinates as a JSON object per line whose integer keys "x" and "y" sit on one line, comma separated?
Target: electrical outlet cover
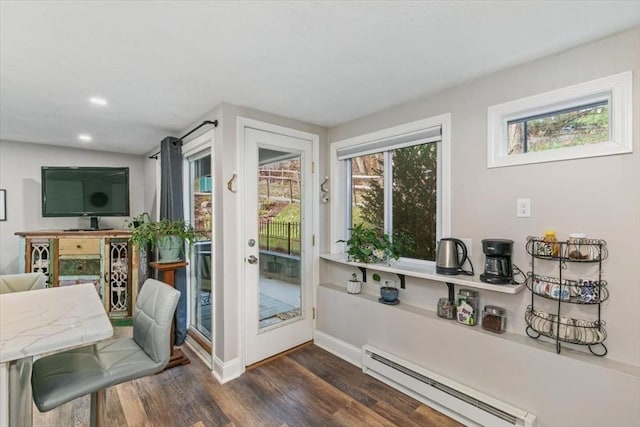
{"x": 523, "y": 208}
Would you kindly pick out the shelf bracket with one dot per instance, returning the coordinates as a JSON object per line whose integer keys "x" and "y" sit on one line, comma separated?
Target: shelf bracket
{"x": 364, "y": 274}
{"x": 452, "y": 291}
{"x": 401, "y": 276}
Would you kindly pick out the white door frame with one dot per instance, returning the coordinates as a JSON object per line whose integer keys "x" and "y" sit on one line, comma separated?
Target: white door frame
{"x": 200, "y": 146}
{"x": 242, "y": 124}
{"x": 197, "y": 146}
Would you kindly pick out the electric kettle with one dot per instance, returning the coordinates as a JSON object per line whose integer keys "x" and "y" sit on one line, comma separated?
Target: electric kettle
{"x": 451, "y": 256}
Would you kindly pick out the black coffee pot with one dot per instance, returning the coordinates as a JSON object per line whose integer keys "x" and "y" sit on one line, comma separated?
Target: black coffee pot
{"x": 498, "y": 269}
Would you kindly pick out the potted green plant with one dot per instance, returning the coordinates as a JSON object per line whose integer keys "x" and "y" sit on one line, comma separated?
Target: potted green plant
{"x": 354, "y": 286}
{"x": 138, "y": 220}
{"x": 389, "y": 293}
{"x": 169, "y": 236}
{"x": 369, "y": 246}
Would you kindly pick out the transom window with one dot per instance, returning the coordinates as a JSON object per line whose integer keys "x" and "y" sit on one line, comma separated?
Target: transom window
{"x": 581, "y": 125}
{"x": 585, "y": 120}
{"x": 395, "y": 183}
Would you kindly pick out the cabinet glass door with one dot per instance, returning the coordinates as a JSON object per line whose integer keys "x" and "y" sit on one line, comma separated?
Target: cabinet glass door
{"x": 201, "y": 210}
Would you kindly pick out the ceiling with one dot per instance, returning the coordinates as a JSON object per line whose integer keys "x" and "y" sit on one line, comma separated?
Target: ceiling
{"x": 161, "y": 65}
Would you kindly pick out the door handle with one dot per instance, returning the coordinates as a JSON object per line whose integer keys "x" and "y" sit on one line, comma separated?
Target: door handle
{"x": 252, "y": 259}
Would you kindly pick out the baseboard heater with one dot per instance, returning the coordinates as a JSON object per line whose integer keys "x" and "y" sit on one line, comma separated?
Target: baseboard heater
{"x": 468, "y": 406}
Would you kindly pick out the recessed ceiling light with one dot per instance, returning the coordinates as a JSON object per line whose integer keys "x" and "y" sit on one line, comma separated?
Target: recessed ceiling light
{"x": 97, "y": 100}
{"x": 84, "y": 137}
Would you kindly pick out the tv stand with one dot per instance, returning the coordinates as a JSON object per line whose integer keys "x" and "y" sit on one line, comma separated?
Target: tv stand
{"x": 105, "y": 258}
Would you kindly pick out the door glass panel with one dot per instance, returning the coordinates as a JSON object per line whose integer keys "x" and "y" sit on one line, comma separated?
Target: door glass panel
{"x": 279, "y": 219}
{"x": 200, "y": 282}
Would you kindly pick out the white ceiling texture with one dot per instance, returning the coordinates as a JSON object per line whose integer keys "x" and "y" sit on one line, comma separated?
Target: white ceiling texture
{"x": 162, "y": 64}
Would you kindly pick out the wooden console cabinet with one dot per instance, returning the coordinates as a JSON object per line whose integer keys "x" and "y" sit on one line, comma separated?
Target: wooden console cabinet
{"x": 105, "y": 258}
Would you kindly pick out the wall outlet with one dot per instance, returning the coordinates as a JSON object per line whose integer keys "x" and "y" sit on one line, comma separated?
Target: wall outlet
{"x": 468, "y": 244}
{"x": 523, "y": 208}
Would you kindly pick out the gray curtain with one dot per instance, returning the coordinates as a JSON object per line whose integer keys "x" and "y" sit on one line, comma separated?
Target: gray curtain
{"x": 171, "y": 208}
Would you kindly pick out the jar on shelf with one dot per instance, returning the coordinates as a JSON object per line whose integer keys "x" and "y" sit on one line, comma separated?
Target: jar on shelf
{"x": 446, "y": 308}
{"x": 467, "y": 307}
{"x": 577, "y": 246}
{"x": 549, "y": 245}
{"x": 494, "y": 319}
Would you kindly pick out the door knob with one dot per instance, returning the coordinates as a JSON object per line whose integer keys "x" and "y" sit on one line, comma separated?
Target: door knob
{"x": 252, "y": 259}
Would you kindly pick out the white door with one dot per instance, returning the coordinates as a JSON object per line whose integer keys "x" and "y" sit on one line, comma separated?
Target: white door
{"x": 278, "y": 264}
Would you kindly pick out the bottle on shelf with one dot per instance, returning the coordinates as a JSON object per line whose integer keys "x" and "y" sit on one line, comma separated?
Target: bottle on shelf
{"x": 550, "y": 246}
{"x": 467, "y": 307}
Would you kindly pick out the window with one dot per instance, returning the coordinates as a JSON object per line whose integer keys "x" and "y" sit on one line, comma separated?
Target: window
{"x": 585, "y": 120}
{"x": 585, "y": 124}
{"x": 394, "y": 181}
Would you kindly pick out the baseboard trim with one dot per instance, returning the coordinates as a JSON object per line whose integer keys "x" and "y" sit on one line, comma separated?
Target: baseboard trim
{"x": 201, "y": 353}
{"x": 279, "y": 355}
{"x": 227, "y": 371}
{"x": 338, "y": 347}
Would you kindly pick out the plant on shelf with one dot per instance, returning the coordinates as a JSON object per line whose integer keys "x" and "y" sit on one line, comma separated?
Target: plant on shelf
{"x": 354, "y": 286}
{"x": 167, "y": 235}
{"x": 369, "y": 246}
{"x": 389, "y": 292}
{"x": 138, "y": 220}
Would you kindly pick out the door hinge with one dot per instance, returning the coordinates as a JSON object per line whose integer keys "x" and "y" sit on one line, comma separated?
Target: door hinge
{"x": 313, "y": 312}
{"x": 313, "y": 240}
{"x": 313, "y": 167}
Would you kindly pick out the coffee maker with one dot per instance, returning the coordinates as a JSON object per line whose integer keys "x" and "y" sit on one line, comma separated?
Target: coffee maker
{"x": 498, "y": 269}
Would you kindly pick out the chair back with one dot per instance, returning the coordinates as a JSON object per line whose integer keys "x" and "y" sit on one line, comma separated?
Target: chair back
{"x": 22, "y": 282}
{"x": 153, "y": 317}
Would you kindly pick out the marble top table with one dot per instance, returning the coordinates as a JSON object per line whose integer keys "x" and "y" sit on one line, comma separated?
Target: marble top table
{"x": 47, "y": 320}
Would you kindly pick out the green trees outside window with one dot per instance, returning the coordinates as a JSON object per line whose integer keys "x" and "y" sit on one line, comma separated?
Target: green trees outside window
{"x": 586, "y": 124}
{"x": 412, "y": 197}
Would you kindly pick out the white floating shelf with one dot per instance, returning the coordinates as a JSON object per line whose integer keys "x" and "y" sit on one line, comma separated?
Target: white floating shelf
{"x": 425, "y": 272}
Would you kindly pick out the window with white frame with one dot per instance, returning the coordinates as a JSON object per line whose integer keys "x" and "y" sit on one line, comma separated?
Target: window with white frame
{"x": 394, "y": 181}
{"x": 586, "y": 120}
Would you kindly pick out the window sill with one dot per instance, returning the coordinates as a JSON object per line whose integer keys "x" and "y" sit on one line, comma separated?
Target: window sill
{"x": 422, "y": 272}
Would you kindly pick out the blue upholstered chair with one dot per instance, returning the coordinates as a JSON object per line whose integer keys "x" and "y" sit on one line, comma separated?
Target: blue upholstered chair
{"x": 62, "y": 377}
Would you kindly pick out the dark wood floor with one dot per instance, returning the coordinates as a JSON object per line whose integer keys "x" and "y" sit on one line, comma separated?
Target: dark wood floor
{"x": 309, "y": 387}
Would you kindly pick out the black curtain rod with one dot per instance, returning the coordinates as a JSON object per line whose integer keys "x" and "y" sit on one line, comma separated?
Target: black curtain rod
{"x": 206, "y": 122}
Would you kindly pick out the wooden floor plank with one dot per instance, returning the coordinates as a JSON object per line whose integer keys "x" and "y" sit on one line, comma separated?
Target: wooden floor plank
{"x": 309, "y": 387}
{"x": 357, "y": 414}
{"x": 350, "y": 380}
{"x": 132, "y": 406}
{"x": 307, "y": 399}
{"x": 429, "y": 417}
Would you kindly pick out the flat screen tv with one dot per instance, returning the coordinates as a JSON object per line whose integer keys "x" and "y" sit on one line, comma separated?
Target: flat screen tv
{"x": 85, "y": 192}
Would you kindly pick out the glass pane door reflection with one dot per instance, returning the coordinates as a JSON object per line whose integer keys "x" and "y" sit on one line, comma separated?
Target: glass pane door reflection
{"x": 201, "y": 216}
{"x": 279, "y": 237}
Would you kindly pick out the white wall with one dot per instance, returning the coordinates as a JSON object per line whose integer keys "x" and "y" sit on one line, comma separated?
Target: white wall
{"x": 20, "y": 165}
{"x": 598, "y": 196}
